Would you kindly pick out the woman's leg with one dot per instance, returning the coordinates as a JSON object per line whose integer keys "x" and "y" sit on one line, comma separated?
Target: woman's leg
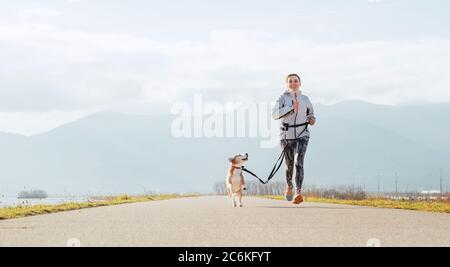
{"x": 300, "y": 151}
{"x": 289, "y": 160}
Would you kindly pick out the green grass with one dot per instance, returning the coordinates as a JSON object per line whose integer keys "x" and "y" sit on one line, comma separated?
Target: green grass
{"x": 23, "y": 210}
{"x": 422, "y": 205}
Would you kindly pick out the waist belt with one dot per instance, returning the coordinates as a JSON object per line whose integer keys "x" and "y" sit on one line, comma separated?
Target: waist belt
{"x": 285, "y": 126}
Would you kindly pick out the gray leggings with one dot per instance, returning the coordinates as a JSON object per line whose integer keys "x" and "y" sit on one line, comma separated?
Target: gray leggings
{"x": 295, "y": 149}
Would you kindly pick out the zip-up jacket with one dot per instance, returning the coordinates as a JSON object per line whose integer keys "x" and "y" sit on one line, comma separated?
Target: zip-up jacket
{"x": 284, "y": 111}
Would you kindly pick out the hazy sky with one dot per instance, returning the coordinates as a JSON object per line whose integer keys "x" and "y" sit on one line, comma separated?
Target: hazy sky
{"x": 61, "y": 60}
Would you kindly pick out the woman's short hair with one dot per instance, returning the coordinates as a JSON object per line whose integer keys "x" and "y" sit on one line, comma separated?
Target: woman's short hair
{"x": 292, "y": 75}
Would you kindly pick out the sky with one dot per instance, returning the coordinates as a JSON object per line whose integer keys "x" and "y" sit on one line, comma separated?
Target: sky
{"x": 65, "y": 59}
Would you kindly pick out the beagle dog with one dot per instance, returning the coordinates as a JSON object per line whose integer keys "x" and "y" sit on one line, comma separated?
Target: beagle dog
{"x": 235, "y": 180}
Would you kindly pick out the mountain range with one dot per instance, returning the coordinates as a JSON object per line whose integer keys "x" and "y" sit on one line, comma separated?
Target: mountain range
{"x": 354, "y": 143}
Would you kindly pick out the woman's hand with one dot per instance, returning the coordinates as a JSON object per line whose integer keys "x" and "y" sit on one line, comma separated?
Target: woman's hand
{"x": 312, "y": 120}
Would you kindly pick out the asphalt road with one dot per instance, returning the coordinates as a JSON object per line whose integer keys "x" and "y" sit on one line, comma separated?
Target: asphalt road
{"x": 211, "y": 221}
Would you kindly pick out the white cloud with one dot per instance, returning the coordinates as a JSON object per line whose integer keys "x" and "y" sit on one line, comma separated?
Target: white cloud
{"x": 45, "y": 68}
{"x": 38, "y": 13}
{"x": 233, "y": 59}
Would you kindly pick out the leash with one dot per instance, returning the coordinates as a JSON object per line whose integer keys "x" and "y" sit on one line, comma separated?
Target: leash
{"x": 275, "y": 168}
{"x": 277, "y": 165}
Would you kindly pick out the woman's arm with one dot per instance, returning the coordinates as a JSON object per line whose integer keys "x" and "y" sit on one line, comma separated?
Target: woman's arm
{"x": 280, "y": 109}
{"x": 311, "y": 118}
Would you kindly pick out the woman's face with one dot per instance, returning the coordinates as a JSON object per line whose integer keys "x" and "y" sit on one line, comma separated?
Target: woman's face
{"x": 294, "y": 83}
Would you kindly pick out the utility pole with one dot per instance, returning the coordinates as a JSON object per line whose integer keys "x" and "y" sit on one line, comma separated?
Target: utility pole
{"x": 364, "y": 184}
{"x": 440, "y": 183}
{"x": 396, "y": 184}
{"x": 378, "y": 184}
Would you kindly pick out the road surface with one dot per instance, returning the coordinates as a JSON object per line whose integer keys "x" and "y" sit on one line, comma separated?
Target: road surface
{"x": 211, "y": 221}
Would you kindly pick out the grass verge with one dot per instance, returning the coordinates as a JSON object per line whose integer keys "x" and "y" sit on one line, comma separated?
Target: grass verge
{"x": 23, "y": 210}
{"x": 422, "y": 205}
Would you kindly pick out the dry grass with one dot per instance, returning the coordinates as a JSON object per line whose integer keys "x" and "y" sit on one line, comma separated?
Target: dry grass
{"x": 23, "y": 210}
{"x": 422, "y": 205}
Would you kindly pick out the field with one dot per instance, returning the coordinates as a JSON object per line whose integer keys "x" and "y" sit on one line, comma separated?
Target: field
{"x": 422, "y": 205}
{"x": 26, "y": 210}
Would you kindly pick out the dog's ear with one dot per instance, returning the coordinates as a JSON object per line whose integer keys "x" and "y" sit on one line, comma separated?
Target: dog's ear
{"x": 230, "y": 159}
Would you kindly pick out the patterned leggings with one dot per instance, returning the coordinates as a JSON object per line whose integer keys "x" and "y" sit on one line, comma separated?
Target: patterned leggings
{"x": 295, "y": 154}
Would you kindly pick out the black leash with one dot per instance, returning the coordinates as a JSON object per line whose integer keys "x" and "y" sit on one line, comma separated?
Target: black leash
{"x": 274, "y": 169}
{"x": 277, "y": 165}
{"x": 254, "y": 175}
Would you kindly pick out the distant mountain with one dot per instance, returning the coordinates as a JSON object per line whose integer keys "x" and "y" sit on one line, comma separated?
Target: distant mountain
{"x": 426, "y": 124}
{"x": 108, "y": 153}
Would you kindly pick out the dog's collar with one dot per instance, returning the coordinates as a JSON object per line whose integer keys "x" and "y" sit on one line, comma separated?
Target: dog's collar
{"x": 239, "y": 168}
